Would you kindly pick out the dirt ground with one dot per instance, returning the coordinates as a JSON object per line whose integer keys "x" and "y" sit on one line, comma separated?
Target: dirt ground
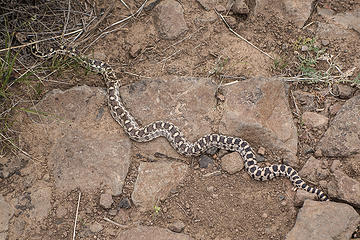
{"x": 207, "y": 49}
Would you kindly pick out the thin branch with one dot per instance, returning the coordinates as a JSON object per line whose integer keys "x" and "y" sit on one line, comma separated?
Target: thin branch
{"x": 76, "y": 215}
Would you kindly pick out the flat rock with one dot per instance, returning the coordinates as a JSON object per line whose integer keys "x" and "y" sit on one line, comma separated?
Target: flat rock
{"x": 12, "y": 164}
{"x": 206, "y": 4}
{"x": 106, "y": 200}
{"x": 314, "y": 120}
{"x": 169, "y": 19}
{"x": 345, "y": 188}
{"x": 187, "y": 102}
{"x": 155, "y": 180}
{"x": 6, "y": 213}
{"x": 83, "y": 145}
{"x": 151, "y": 233}
{"x": 257, "y": 110}
{"x": 296, "y": 11}
{"x": 301, "y": 196}
{"x": 324, "y": 220}
{"x": 177, "y": 226}
{"x": 232, "y": 163}
{"x": 342, "y": 138}
{"x": 40, "y": 200}
{"x": 349, "y": 20}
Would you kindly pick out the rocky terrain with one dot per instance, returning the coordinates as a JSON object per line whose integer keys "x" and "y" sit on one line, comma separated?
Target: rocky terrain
{"x": 77, "y": 175}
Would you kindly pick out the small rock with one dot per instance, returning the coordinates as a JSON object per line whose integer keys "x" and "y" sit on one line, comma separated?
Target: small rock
{"x": 307, "y": 101}
{"x": 135, "y": 50}
{"x": 301, "y": 196}
{"x": 106, "y": 200}
{"x": 345, "y": 188}
{"x": 210, "y": 189}
{"x": 335, "y": 165}
{"x": 335, "y": 108}
{"x": 220, "y": 8}
{"x": 231, "y": 21}
{"x": 206, "y": 4}
{"x": 325, "y": 42}
{"x": 343, "y": 91}
{"x": 232, "y": 163}
{"x": 240, "y": 7}
{"x": 212, "y": 150}
{"x": 304, "y": 48}
{"x": 177, "y": 226}
{"x": 6, "y": 213}
{"x": 318, "y": 153}
{"x": 61, "y": 211}
{"x": 125, "y": 203}
{"x": 96, "y": 227}
{"x": 169, "y": 19}
{"x": 113, "y": 212}
{"x": 205, "y": 161}
{"x": 261, "y": 151}
{"x": 314, "y": 120}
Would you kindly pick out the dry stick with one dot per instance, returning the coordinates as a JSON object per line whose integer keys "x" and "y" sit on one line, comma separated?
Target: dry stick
{"x": 39, "y": 41}
{"x": 4, "y": 137}
{"x": 66, "y": 20}
{"x": 125, "y": 4}
{"x": 115, "y": 223}
{"x": 239, "y": 36}
{"x": 76, "y": 216}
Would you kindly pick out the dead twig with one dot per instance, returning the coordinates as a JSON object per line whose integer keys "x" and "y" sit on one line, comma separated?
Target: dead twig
{"x": 76, "y": 215}
{"x": 241, "y": 37}
{"x": 115, "y": 223}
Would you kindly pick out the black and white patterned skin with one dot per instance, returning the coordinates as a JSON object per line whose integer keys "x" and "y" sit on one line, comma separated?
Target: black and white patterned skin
{"x": 173, "y": 134}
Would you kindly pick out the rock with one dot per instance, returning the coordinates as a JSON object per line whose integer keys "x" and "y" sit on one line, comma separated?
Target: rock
{"x": 220, "y": 8}
{"x": 6, "y": 213}
{"x": 240, "y": 7}
{"x": 324, "y": 220}
{"x": 151, "y": 233}
{"x": 135, "y": 50}
{"x": 125, "y": 203}
{"x": 151, "y": 4}
{"x": 333, "y": 110}
{"x": 206, "y": 4}
{"x": 77, "y": 126}
{"x": 343, "y": 91}
{"x": 232, "y": 163}
{"x": 314, "y": 120}
{"x": 61, "y": 211}
{"x": 96, "y": 227}
{"x": 205, "y": 161}
{"x": 154, "y": 182}
{"x": 343, "y": 136}
{"x": 335, "y": 165}
{"x": 11, "y": 164}
{"x": 301, "y": 196}
{"x": 298, "y": 11}
{"x": 106, "y": 200}
{"x": 40, "y": 200}
{"x": 345, "y": 188}
{"x": 257, "y": 110}
{"x": 325, "y": 42}
{"x": 231, "y": 21}
{"x": 187, "y": 102}
{"x": 314, "y": 170}
{"x": 169, "y": 19}
{"x": 177, "y": 226}
{"x": 261, "y": 151}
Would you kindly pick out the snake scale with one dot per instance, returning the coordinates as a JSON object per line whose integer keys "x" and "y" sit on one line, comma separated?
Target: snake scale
{"x": 174, "y": 135}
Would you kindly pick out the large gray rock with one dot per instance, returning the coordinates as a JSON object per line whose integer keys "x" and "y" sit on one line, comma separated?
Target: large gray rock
{"x": 40, "y": 200}
{"x": 83, "y": 145}
{"x": 187, "y": 102}
{"x": 258, "y": 111}
{"x": 169, "y": 19}
{"x": 151, "y": 233}
{"x": 154, "y": 182}
{"x": 324, "y": 220}
{"x": 342, "y": 138}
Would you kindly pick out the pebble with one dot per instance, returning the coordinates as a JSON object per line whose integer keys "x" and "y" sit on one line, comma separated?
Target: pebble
{"x": 177, "y": 226}
{"x": 325, "y": 42}
{"x": 261, "y": 151}
{"x": 96, "y": 227}
{"x": 304, "y": 48}
{"x": 106, "y": 200}
{"x": 205, "y": 161}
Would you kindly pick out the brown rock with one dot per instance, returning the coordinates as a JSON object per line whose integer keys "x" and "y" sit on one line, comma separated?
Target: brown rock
{"x": 333, "y": 110}
{"x": 151, "y": 233}
{"x": 177, "y": 226}
{"x": 314, "y": 170}
{"x": 298, "y": 11}
{"x": 169, "y": 19}
{"x": 6, "y": 213}
{"x": 257, "y": 110}
{"x": 306, "y": 101}
{"x": 220, "y": 8}
{"x": 106, "y": 200}
{"x": 206, "y": 4}
{"x": 96, "y": 227}
{"x": 301, "y": 196}
{"x": 343, "y": 91}
{"x": 314, "y": 120}
{"x": 324, "y": 220}
{"x": 232, "y": 163}
{"x": 77, "y": 126}
{"x": 40, "y": 200}
{"x": 343, "y": 136}
{"x": 155, "y": 180}
{"x": 345, "y": 188}
{"x": 240, "y": 7}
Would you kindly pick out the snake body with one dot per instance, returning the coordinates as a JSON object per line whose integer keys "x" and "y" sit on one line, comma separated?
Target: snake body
{"x": 174, "y": 135}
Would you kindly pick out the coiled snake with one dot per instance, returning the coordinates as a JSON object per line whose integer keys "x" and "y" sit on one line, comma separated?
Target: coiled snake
{"x": 173, "y": 134}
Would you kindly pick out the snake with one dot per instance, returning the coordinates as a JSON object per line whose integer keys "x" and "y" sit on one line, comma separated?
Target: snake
{"x": 174, "y": 135}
